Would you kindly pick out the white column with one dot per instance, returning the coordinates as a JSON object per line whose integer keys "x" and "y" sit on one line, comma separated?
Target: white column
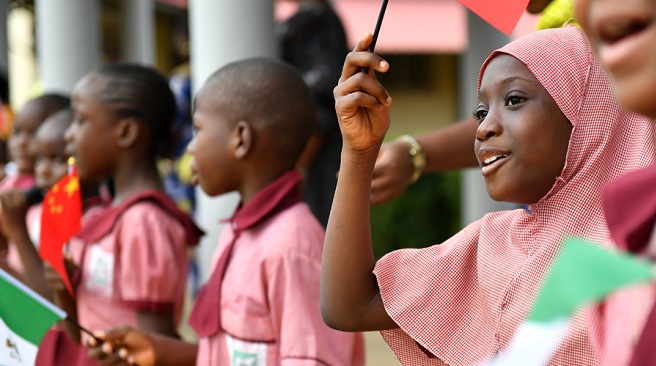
{"x": 138, "y": 31}
{"x": 483, "y": 39}
{"x": 68, "y": 41}
{"x": 222, "y": 31}
{"x": 22, "y": 63}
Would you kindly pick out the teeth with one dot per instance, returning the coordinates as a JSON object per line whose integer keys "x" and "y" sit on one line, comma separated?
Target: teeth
{"x": 492, "y": 159}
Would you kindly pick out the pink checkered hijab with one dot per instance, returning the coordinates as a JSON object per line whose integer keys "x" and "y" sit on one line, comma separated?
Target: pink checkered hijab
{"x": 460, "y": 302}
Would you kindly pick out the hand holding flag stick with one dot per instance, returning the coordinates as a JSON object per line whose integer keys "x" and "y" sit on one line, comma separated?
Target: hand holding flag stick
{"x": 25, "y": 317}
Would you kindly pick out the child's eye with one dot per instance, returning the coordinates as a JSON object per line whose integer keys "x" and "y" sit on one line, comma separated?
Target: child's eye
{"x": 480, "y": 114}
{"x": 514, "y": 100}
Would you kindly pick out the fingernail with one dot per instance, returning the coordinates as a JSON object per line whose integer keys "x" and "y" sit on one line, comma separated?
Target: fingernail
{"x": 382, "y": 64}
{"x": 388, "y": 101}
{"x": 107, "y": 348}
{"x": 123, "y": 353}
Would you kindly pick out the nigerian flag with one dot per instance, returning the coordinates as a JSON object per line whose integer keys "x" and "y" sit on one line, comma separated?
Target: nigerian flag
{"x": 25, "y": 317}
{"x": 582, "y": 273}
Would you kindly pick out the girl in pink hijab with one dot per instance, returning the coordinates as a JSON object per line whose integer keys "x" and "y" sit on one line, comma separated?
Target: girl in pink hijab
{"x": 550, "y": 136}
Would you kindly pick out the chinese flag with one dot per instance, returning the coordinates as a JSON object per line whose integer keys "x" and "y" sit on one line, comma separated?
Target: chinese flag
{"x": 501, "y": 14}
{"x": 61, "y": 218}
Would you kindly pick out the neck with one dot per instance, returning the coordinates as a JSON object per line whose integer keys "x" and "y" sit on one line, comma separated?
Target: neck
{"x": 136, "y": 175}
{"x": 258, "y": 181}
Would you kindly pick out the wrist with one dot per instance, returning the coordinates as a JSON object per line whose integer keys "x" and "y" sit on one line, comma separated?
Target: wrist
{"x": 416, "y": 156}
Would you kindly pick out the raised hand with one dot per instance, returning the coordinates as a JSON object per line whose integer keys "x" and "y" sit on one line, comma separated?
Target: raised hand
{"x": 12, "y": 213}
{"x": 361, "y": 102}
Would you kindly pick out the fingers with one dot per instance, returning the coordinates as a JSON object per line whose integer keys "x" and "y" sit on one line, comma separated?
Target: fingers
{"x": 360, "y": 58}
{"x": 105, "y": 352}
{"x": 362, "y": 91}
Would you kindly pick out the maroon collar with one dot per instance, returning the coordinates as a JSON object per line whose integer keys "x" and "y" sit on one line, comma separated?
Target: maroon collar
{"x": 283, "y": 193}
{"x": 103, "y": 223}
{"x": 630, "y": 209}
{"x": 277, "y": 196}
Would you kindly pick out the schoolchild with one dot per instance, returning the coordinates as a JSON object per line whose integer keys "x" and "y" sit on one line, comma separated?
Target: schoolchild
{"x": 550, "y": 135}
{"x": 622, "y": 34}
{"x": 132, "y": 256}
{"x": 260, "y": 306}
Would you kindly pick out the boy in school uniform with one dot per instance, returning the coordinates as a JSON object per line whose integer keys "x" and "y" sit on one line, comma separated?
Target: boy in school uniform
{"x": 261, "y": 303}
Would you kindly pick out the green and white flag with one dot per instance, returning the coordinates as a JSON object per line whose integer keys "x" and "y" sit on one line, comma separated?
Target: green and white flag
{"x": 25, "y": 317}
{"x": 582, "y": 273}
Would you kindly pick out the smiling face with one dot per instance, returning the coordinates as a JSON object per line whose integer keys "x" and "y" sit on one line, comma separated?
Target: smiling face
{"x": 623, "y": 34}
{"x": 522, "y": 137}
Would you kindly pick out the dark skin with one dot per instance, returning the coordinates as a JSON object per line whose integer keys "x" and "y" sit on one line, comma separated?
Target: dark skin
{"x": 447, "y": 148}
{"x": 125, "y": 155}
{"x": 242, "y": 147}
{"x": 516, "y": 117}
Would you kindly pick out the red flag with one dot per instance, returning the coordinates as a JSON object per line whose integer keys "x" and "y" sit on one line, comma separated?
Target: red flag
{"x": 61, "y": 218}
{"x": 501, "y": 14}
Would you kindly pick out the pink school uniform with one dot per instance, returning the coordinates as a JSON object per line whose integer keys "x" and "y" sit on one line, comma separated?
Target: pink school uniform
{"x": 459, "y": 303}
{"x": 267, "y": 266}
{"x": 622, "y": 326}
{"x": 132, "y": 258}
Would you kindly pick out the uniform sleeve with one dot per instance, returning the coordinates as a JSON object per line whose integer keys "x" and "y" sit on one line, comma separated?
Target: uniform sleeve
{"x": 152, "y": 268}
{"x": 295, "y": 310}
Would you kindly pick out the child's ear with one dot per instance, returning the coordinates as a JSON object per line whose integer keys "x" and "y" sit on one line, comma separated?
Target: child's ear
{"x": 127, "y": 130}
{"x": 243, "y": 134}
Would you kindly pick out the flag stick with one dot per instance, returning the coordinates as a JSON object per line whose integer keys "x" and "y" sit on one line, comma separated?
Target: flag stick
{"x": 85, "y": 330}
{"x": 379, "y": 23}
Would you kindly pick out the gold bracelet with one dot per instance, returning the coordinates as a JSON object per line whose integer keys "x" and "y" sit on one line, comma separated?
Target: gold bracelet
{"x": 417, "y": 156}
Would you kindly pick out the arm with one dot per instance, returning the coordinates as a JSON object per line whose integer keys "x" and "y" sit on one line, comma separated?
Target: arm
{"x": 14, "y": 227}
{"x": 350, "y": 297}
{"x": 447, "y": 148}
{"x": 144, "y": 349}
{"x": 62, "y": 298}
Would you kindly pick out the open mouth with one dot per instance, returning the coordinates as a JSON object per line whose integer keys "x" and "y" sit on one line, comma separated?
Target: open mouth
{"x": 494, "y": 158}
{"x": 620, "y": 28}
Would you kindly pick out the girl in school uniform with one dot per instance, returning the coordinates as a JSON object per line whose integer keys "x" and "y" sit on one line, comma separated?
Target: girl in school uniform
{"x": 550, "y": 135}
{"x": 132, "y": 256}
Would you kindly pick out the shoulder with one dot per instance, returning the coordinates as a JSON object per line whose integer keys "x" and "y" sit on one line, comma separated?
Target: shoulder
{"x": 294, "y": 230}
{"x": 144, "y": 215}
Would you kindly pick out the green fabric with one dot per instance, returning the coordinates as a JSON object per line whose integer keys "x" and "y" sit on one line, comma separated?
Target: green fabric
{"x": 26, "y": 313}
{"x": 582, "y": 273}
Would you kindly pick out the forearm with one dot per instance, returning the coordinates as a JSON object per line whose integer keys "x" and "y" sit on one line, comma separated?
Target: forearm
{"x": 66, "y": 302}
{"x": 34, "y": 275}
{"x": 350, "y": 297}
{"x": 451, "y": 147}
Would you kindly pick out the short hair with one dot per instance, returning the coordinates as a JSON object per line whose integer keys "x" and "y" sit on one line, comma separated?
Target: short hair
{"x": 50, "y": 103}
{"x": 141, "y": 92}
{"x": 272, "y": 96}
